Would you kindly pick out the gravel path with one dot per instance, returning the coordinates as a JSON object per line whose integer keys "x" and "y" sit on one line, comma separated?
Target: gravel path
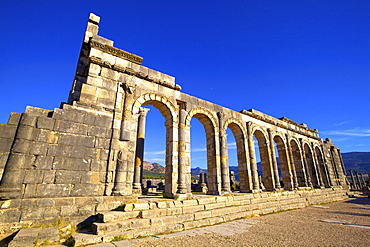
{"x": 345, "y": 223}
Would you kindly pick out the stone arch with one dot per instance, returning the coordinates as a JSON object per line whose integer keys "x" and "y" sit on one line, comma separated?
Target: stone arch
{"x": 285, "y": 167}
{"x": 268, "y": 179}
{"x": 298, "y": 163}
{"x": 209, "y": 122}
{"x": 322, "y": 167}
{"x": 310, "y": 164}
{"x": 168, "y": 111}
{"x": 240, "y": 135}
{"x": 162, "y": 103}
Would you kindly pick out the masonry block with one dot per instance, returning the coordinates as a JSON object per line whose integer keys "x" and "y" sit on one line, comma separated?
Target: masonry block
{"x": 45, "y": 123}
{"x": 7, "y": 131}
{"x": 53, "y": 190}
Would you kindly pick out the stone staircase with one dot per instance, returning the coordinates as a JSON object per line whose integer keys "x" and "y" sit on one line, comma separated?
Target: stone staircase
{"x": 147, "y": 218}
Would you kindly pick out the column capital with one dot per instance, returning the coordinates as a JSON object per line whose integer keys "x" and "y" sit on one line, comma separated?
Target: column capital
{"x": 143, "y": 111}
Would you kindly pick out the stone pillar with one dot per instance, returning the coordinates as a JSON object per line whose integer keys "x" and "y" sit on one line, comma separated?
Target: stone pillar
{"x": 362, "y": 180}
{"x": 308, "y": 181}
{"x": 317, "y": 169}
{"x": 203, "y": 182}
{"x": 252, "y": 157}
{"x": 274, "y": 162}
{"x": 353, "y": 180}
{"x": 292, "y": 164}
{"x": 138, "y": 172}
{"x": 358, "y": 185}
{"x": 225, "y": 177}
{"x": 120, "y": 179}
{"x": 182, "y": 185}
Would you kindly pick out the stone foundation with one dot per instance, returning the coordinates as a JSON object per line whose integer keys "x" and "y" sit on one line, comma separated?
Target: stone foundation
{"x": 18, "y": 213}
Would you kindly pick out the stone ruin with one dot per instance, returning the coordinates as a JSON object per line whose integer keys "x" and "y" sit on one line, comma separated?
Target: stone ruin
{"x": 86, "y": 156}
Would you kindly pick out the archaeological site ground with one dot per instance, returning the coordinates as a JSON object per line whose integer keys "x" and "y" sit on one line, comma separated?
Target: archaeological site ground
{"x": 82, "y": 162}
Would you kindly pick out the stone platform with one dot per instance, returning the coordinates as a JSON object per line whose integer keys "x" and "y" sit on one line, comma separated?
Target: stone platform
{"x": 152, "y": 216}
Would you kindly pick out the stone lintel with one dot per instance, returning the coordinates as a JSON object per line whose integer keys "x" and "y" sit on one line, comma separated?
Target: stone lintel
{"x": 116, "y": 52}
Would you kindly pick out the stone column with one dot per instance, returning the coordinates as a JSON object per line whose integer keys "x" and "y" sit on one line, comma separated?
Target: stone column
{"x": 317, "y": 169}
{"x": 292, "y": 164}
{"x": 362, "y": 180}
{"x": 225, "y": 177}
{"x": 138, "y": 172}
{"x": 274, "y": 162}
{"x": 203, "y": 182}
{"x": 308, "y": 180}
{"x": 252, "y": 157}
{"x": 353, "y": 180}
{"x": 358, "y": 180}
{"x": 182, "y": 186}
{"x": 120, "y": 179}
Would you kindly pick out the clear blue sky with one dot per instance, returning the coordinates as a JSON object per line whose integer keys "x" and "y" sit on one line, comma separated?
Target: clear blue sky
{"x": 306, "y": 60}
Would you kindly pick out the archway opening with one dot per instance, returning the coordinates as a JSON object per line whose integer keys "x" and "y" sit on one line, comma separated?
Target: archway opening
{"x": 154, "y": 162}
{"x": 311, "y": 166}
{"x": 285, "y": 171}
{"x": 267, "y": 181}
{"x": 198, "y": 156}
{"x": 233, "y": 160}
{"x": 299, "y": 166}
{"x": 322, "y": 167}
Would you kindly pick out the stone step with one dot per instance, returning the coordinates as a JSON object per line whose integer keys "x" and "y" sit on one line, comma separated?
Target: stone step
{"x": 166, "y": 225}
{"x": 153, "y": 218}
{"x": 171, "y": 208}
{"x": 187, "y": 216}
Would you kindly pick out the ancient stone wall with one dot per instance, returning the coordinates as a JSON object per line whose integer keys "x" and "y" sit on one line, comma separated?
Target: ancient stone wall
{"x": 93, "y": 144}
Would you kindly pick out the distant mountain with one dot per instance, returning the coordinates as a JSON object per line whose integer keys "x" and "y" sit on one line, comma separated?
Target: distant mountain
{"x": 153, "y": 167}
{"x": 197, "y": 171}
{"x": 357, "y": 161}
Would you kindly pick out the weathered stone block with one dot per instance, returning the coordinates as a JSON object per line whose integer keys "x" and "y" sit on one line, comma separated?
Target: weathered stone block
{"x": 64, "y": 201}
{"x": 9, "y": 215}
{"x": 45, "y": 202}
{"x": 5, "y": 145}
{"x": 94, "y": 69}
{"x": 14, "y": 118}
{"x": 87, "y": 210}
{"x": 53, "y": 190}
{"x": 202, "y": 215}
{"x": 52, "y": 212}
{"x": 92, "y": 153}
{"x": 103, "y": 121}
{"x": 90, "y": 177}
{"x": 45, "y": 123}
{"x": 7, "y": 131}
{"x": 67, "y": 177}
{"x": 32, "y": 214}
{"x": 85, "y": 190}
{"x": 68, "y": 211}
{"x": 39, "y": 148}
{"x": 33, "y": 177}
{"x": 48, "y": 136}
{"x": 109, "y": 85}
{"x": 70, "y": 127}
{"x": 28, "y": 119}
{"x": 59, "y": 150}
{"x": 109, "y": 73}
{"x": 44, "y": 162}
{"x": 22, "y": 146}
{"x": 97, "y": 131}
{"x": 21, "y": 160}
{"x": 191, "y": 209}
{"x": 102, "y": 143}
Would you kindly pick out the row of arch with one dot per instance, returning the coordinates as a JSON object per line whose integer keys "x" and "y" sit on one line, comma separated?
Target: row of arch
{"x": 302, "y": 161}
